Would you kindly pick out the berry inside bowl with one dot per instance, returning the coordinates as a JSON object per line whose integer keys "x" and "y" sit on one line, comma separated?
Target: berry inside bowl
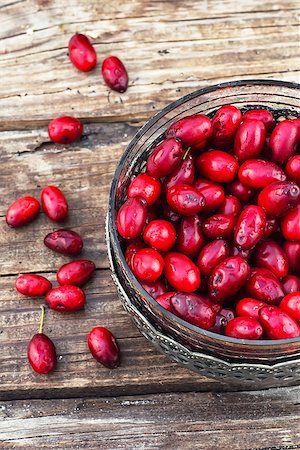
{"x": 224, "y": 206}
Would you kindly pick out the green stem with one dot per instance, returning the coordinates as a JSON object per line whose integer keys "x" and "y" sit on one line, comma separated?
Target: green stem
{"x": 42, "y": 319}
{"x": 186, "y": 153}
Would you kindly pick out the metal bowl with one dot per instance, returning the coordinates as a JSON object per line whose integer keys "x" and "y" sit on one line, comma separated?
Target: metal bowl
{"x": 252, "y": 364}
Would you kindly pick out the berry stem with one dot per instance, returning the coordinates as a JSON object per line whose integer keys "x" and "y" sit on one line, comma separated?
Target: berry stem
{"x": 186, "y": 153}
{"x": 42, "y": 319}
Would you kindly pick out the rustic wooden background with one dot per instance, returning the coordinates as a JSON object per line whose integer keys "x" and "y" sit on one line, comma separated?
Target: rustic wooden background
{"x": 170, "y": 48}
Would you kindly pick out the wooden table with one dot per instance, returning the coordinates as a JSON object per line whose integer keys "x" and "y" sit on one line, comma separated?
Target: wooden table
{"x": 170, "y": 48}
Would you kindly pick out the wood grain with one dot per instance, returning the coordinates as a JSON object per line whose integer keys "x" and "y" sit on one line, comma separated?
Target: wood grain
{"x": 208, "y": 421}
{"x": 169, "y": 48}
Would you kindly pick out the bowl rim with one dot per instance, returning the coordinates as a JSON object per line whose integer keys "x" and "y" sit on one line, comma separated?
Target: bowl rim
{"x": 112, "y": 230}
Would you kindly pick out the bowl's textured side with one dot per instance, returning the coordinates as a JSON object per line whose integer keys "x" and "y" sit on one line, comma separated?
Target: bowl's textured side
{"x": 250, "y": 376}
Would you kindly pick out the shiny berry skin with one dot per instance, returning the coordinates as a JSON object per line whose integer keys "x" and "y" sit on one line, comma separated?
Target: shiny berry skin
{"x": 249, "y": 140}
{"x": 165, "y": 300}
{"x": 165, "y": 158}
{"x": 65, "y": 129}
{"x": 144, "y": 186}
{"x": 290, "y": 225}
{"x": 212, "y": 192}
{"x": 54, "y": 203}
{"x": 219, "y": 226}
{"x": 277, "y": 324}
{"x": 290, "y": 284}
{"x": 185, "y": 200}
{"x": 270, "y": 255}
{"x": 250, "y": 227}
{"x": 184, "y": 174}
{"x": 115, "y": 74}
{"x": 191, "y": 130}
{"x": 231, "y": 206}
{"x": 181, "y": 273}
{"x": 279, "y": 197}
{"x": 217, "y": 165}
{"x": 211, "y": 255}
{"x": 236, "y": 251}
{"x": 32, "y": 285}
{"x": 131, "y": 251}
{"x": 291, "y": 305}
{"x": 22, "y": 211}
{"x": 171, "y": 216}
{"x": 155, "y": 288}
{"x": 257, "y": 173}
{"x": 76, "y": 273}
{"x": 41, "y": 354}
{"x": 81, "y": 53}
{"x": 244, "y": 328}
{"x": 148, "y": 264}
{"x": 227, "y": 278}
{"x": 63, "y": 241}
{"x": 132, "y": 217}
{"x": 104, "y": 347}
{"x": 284, "y": 141}
{"x": 160, "y": 234}
{"x": 264, "y": 287}
{"x": 249, "y": 307}
{"x": 190, "y": 238}
{"x": 292, "y": 169}
{"x": 66, "y": 298}
{"x": 194, "y": 309}
{"x": 225, "y": 124}
{"x": 292, "y": 251}
{"x": 265, "y": 116}
{"x": 239, "y": 190}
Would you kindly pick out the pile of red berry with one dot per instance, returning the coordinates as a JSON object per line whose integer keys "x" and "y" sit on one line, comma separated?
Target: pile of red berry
{"x": 68, "y": 296}
{"x": 211, "y": 228}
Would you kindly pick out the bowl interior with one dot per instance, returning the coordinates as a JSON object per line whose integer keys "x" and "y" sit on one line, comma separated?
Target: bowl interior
{"x": 283, "y": 100}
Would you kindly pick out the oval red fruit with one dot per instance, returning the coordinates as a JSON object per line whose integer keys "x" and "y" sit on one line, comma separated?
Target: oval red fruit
{"x": 148, "y": 264}
{"x": 265, "y": 116}
{"x": 66, "y": 298}
{"x": 249, "y": 140}
{"x": 185, "y": 200}
{"x": 76, "y": 273}
{"x": 63, "y": 241}
{"x": 181, "y": 273}
{"x": 164, "y": 159}
{"x": 41, "y": 354}
{"x": 132, "y": 217}
{"x": 22, "y": 211}
{"x": 104, "y": 347}
{"x": 194, "y": 309}
{"x": 291, "y": 305}
{"x": 160, "y": 234}
{"x": 225, "y": 124}
{"x": 54, "y": 203}
{"x": 279, "y": 197}
{"x": 191, "y": 130}
{"x": 284, "y": 141}
{"x": 144, "y": 186}
{"x": 65, "y": 129}
{"x": 277, "y": 324}
{"x": 244, "y": 328}
{"x": 81, "y": 53}
{"x": 115, "y": 74}
{"x": 217, "y": 165}
{"x": 250, "y": 227}
{"x": 32, "y": 285}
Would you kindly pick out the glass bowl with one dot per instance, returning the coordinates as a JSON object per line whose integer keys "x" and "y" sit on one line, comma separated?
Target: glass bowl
{"x": 236, "y": 361}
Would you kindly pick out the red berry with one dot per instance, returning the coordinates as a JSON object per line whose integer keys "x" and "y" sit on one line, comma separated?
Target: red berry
{"x": 190, "y": 238}
{"x": 290, "y": 225}
{"x": 257, "y": 173}
{"x": 76, "y": 273}
{"x": 181, "y": 272}
{"x": 211, "y": 255}
{"x": 104, "y": 347}
{"x": 290, "y": 284}
{"x": 64, "y": 130}
{"x": 81, "y": 53}
{"x": 155, "y": 288}
{"x": 249, "y": 140}
{"x": 191, "y": 130}
{"x": 165, "y": 158}
{"x": 277, "y": 324}
{"x": 148, "y": 264}
{"x": 244, "y": 328}
{"x": 160, "y": 234}
{"x": 250, "y": 227}
{"x": 131, "y": 251}
{"x": 284, "y": 141}
{"x": 115, "y": 74}
{"x": 32, "y": 285}
{"x": 185, "y": 200}
{"x": 144, "y": 186}
{"x": 265, "y": 116}
{"x": 249, "y": 307}
{"x": 219, "y": 226}
{"x": 217, "y": 165}
{"x": 194, "y": 309}
{"x": 270, "y": 255}
{"x": 66, "y": 298}
{"x": 291, "y": 305}
{"x": 279, "y": 197}
{"x": 22, "y": 211}
{"x": 292, "y": 169}
{"x": 165, "y": 300}
{"x": 132, "y": 217}
{"x": 225, "y": 124}
{"x": 67, "y": 242}
{"x": 54, "y": 203}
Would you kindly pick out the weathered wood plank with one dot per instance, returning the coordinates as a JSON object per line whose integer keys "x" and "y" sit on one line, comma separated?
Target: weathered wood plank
{"x": 224, "y": 41}
{"x": 143, "y": 369}
{"x": 84, "y": 172}
{"x": 256, "y": 420}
